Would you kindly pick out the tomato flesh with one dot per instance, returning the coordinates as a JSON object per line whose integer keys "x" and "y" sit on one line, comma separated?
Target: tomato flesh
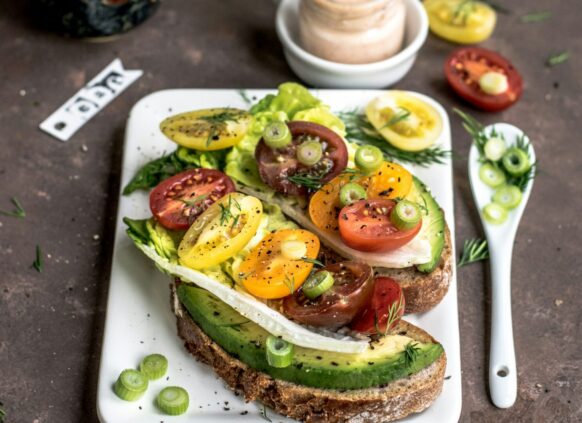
{"x": 366, "y": 226}
{"x": 387, "y": 300}
{"x": 465, "y": 66}
{"x": 177, "y": 201}
{"x": 277, "y": 165}
{"x": 337, "y": 307}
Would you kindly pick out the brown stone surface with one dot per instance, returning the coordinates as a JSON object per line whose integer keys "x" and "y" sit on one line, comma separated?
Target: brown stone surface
{"x": 51, "y": 322}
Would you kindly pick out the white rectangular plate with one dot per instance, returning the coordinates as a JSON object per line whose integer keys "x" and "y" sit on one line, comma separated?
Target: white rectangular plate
{"x": 139, "y": 320}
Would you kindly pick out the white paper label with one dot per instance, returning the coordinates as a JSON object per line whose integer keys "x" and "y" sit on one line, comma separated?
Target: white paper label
{"x": 89, "y": 100}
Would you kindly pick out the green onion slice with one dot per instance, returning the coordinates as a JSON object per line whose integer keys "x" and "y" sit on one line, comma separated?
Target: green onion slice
{"x": 368, "y": 158}
{"x": 130, "y": 385}
{"x": 405, "y": 215}
{"x": 309, "y": 152}
{"x": 516, "y": 161}
{"x": 277, "y": 135}
{"x": 317, "y": 284}
{"x": 173, "y": 400}
{"x": 352, "y": 192}
{"x": 495, "y": 214}
{"x": 494, "y": 148}
{"x": 491, "y": 175}
{"x": 154, "y": 366}
{"x": 279, "y": 352}
{"x": 508, "y": 196}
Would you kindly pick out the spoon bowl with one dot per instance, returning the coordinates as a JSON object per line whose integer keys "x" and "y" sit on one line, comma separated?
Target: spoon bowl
{"x": 500, "y": 240}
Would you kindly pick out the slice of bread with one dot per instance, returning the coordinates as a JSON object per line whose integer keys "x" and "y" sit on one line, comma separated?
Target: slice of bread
{"x": 423, "y": 291}
{"x": 390, "y": 402}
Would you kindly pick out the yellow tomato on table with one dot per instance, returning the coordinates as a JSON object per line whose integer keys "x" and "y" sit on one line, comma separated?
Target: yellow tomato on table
{"x": 461, "y": 21}
{"x": 221, "y": 231}
{"x": 270, "y": 272}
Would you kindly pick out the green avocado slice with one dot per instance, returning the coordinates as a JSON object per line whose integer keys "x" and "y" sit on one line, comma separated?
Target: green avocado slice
{"x": 245, "y": 341}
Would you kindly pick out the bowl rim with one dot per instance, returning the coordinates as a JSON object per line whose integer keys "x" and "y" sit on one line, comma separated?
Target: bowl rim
{"x": 406, "y": 53}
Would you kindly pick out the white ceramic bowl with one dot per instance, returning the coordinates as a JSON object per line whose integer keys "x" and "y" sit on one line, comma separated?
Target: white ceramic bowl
{"x": 324, "y": 73}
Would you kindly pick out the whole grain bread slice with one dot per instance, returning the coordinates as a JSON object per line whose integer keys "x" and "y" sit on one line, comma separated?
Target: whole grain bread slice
{"x": 390, "y": 402}
{"x": 423, "y": 291}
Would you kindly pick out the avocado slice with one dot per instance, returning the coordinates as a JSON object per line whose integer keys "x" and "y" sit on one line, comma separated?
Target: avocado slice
{"x": 245, "y": 341}
{"x": 434, "y": 221}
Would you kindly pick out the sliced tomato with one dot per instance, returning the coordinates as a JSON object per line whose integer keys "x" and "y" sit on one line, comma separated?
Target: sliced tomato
{"x": 337, "y": 307}
{"x": 366, "y": 226}
{"x": 390, "y": 181}
{"x": 267, "y": 273}
{"x": 387, "y": 304}
{"x": 465, "y": 66}
{"x": 221, "y": 231}
{"x": 177, "y": 201}
{"x": 277, "y": 165}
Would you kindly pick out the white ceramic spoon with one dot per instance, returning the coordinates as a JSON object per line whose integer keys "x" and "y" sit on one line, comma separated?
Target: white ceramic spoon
{"x": 500, "y": 239}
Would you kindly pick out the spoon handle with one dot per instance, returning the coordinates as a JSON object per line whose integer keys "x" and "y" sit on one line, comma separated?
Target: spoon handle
{"x": 502, "y": 368}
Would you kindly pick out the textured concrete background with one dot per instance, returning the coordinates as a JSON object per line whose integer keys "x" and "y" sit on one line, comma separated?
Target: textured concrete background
{"x": 51, "y": 322}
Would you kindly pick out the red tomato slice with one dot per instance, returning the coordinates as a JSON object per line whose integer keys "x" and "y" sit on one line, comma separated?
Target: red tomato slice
{"x": 466, "y": 65}
{"x": 366, "y": 226}
{"x": 276, "y": 165}
{"x": 387, "y": 302}
{"x": 179, "y": 200}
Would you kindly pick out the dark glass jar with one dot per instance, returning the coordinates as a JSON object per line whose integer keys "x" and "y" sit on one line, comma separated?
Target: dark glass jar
{"x": 93, "y": 18}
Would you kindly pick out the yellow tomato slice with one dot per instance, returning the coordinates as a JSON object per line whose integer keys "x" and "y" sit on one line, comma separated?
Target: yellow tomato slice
{"x": 389, "y": 181}
{"x": 267, "y": 273}
{"x": 460, "y": 21}
{"x": 405, "y": 121}
{"x": 221, "y": 231}
{"x": 207, "y": 129}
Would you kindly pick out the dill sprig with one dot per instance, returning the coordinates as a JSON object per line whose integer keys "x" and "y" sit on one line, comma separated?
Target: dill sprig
{"x": 536, "y": 17}
{"x": 411, "y": 351}
{"x": 395, "y": 310}
{"x": 558, "y": 58}
{"x": 38, "y": 262}
{"x": 18, "y": 210}
{"x": 219, "y": 121}
{"x": 312, "y": 182}
{"x": 473, "y": 250}
{"x": 360, "y": 131}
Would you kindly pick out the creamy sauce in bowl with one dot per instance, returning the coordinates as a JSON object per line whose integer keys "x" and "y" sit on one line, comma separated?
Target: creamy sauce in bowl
{"x": 352, "y": 31}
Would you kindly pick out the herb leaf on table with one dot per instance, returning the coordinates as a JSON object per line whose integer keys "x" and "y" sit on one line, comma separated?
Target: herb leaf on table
{"x": 18, "y": 210}
{"x": 536, "y": 17}
{"x": 474, "y": 250}
{"x": 558, "y": 58}
{"x": 38, "y": 262}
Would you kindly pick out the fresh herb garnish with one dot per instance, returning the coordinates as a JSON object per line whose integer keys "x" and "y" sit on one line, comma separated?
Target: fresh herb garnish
{"x": 2, "y": 413}
{"x": 18, "y": 210}
{"x": 218, "y": 123}
{"x": 360, "y": 131}
{"x": 536, "y": 17}
{"x": 226, "y": 212}
{"x": 312, "y": 182}
{"x": 195, "y": 201}
{"x": 463, "y": 10}
{"x": 475, "y": 129}
{"x": 399, "y": 116}
{"x": 473, "y": 250}
{"x": 395, "y": 310}
{"x": 558, "y": 58}
{"x": 312, "y": 261}
{"x": 245, "y": 97}
{"x": 411, "y": 351}
{"x": 264, "y": 413}
{"x": 522, "y": 181}
{"x": 289, "y": 282}
{"x": 38, "y": 262}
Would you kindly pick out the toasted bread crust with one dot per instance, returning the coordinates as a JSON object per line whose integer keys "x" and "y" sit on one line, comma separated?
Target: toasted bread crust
{"x": 387, "y": 403}
{"x": 423, "y": 291}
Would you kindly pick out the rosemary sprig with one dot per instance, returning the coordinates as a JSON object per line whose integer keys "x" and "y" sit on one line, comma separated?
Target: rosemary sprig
{"x": 411, "y": 351}
{"x": 226, "y": 212}
{"x": 38, "y": 262}
{"x": 312, "y": 182}
{"x": 473, "y": 250}
{"x": 289, "y": 282}
{"x": 558, "y": 58}
{"x": 18, "y": 210}
{"x": 399, "y": 116}
{"x": 315, "y": 262}
{"x": 475, "y": 129}
{"x": 264, "y": 413}
{"x": 395, "y": 310}
{"x": 245, "y": 97}
{"x": 360, "y": 131}
{"x": 536, "y": 17}
{"x": 218, "y": 123}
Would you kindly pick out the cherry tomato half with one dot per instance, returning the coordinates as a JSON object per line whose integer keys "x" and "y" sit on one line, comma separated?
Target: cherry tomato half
{"x": 336, "y": 307}
{"x": 466, "y": 65}
{"x": 277, "y": 165}
{"x": 387, "y": 303}
{"x": 366, "y": 226}
{"x": 179, "y": 200}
